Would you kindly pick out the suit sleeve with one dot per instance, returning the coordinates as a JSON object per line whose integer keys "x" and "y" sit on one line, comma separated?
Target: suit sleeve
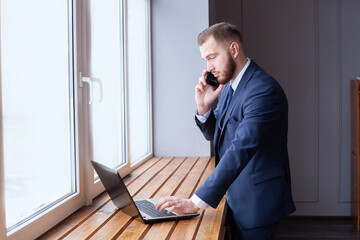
{"x": 263, "y": 106}
{"x": 208, "y": 127}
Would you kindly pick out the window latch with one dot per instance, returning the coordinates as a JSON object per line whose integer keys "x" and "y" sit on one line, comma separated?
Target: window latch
{"x": 90, "y": 81}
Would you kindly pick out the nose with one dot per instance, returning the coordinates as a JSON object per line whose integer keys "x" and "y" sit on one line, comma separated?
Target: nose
{"x": 209, "y": 67}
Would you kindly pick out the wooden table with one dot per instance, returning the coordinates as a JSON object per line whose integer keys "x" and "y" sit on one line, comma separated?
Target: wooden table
{"x": 179, "y": 176}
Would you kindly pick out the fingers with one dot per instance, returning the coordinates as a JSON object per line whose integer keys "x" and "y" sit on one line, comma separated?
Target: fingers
{"x": 171, "y": 209}
{"x": 176, "y": 204}
{"x": 202, "y": 83}
{"x": 163, "y": 203}
{"x": 158, "y": 205}
{"x": 203, "y": 77}
{"x": 170, "y": 203}
{"x": 200, "y": 87}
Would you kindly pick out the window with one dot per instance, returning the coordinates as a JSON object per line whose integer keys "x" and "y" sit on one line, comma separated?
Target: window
{"x": 139, "y": 89}
{"x": 37, "y": 107}
{"x": 73, "y": 90}
{"x": 105, "y": 67}
{"x": 118, "y": 68}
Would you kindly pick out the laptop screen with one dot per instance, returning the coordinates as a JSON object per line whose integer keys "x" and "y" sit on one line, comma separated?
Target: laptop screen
{"x": 116, "y": 189}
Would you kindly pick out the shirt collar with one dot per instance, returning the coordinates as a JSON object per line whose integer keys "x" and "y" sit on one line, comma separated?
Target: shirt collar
{"x": 236, "y": 81}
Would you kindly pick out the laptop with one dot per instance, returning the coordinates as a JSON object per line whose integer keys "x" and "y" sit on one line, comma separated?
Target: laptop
{"x": 142, "y": 210}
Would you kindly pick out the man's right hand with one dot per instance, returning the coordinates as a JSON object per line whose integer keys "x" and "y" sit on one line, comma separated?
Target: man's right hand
{"x": 205, "y": 94}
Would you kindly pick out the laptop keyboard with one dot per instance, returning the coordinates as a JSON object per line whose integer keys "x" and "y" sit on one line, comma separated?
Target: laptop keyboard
{"x": 149, "y": 208}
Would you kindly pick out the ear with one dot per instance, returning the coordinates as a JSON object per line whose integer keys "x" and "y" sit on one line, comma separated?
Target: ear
{"x": 234, "y": 49}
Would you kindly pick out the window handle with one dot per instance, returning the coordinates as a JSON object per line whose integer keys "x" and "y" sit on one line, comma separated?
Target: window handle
{"x": 90, "y": 81}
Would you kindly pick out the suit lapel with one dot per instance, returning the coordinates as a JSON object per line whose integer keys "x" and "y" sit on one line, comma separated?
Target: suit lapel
{"x": 224, "y": 96}
{"x": 222, "y": 102}
{"x": 237, "y": 96}
{"x": 241, "y": 87}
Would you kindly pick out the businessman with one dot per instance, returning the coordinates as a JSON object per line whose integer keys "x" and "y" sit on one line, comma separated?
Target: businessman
{"x": 249, "y": 132}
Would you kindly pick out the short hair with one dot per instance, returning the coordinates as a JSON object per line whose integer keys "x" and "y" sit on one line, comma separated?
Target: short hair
{"x": 224, "y": 33}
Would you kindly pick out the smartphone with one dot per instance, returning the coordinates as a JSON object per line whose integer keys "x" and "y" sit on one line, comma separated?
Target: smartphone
{"x": 211, "y": 80}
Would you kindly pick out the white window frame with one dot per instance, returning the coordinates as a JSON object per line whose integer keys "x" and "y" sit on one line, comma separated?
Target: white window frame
{"x": 96, "y": 186}
{"x": 86, "y": 188}
{"x": 53, "y": 215}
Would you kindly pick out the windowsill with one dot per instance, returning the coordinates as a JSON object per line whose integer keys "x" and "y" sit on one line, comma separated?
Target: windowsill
{"x": 157, "y": 177}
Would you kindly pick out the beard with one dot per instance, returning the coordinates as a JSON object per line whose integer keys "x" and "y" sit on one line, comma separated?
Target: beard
{"x": 228, "y": 72}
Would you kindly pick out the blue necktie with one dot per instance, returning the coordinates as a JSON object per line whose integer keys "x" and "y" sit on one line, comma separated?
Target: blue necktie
{"x": 228, "y": 100}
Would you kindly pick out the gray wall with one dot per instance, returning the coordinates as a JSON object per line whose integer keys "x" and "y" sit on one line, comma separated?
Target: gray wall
{"x": 176, "y": 68}
{"x": 312, "y": 48}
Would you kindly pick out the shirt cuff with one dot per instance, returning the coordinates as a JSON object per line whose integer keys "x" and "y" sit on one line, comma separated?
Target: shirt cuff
{"x": 202, "y": 118}
{"x": 198, "y": 202}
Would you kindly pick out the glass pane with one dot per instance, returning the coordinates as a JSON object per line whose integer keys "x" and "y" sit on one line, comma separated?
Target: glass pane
{"x": 36, "y": 58}
{"x": 138, "y": 79}
{"x": 105, "y": 63}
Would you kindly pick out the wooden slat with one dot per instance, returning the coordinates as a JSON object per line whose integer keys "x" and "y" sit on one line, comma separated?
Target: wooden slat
{"x": 188, "y": 228}
{"x": 140, "y": 170}
{"x": 136, "y": 230}
{"x": 113, "y": 227}
{"x": 213, "y": 220}
{"x": 176, "y": 179}
{"x": 75, "y": 219}
{"x": 158, "y": 177}
{"x": 210, "y": 229}
{"x": 104, "y": 214}
{"x": 92, "y": 223}
{"x": 145, "y": 192}
{"x": 161, "y": 178}
{"x": 163, "y": 230}
{"x": 191, "y": 182}
{"x": 135, "y": 186}
{"x": 141, "y": 229}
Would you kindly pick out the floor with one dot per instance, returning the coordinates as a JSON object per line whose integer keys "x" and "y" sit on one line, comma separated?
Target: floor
{"x": 297, "y": 228}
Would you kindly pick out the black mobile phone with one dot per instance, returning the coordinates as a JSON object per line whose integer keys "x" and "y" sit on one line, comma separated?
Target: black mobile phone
{"x": 211, "y": 80}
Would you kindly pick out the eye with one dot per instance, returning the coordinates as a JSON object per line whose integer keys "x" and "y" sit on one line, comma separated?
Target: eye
{"x": 210, "y": 57}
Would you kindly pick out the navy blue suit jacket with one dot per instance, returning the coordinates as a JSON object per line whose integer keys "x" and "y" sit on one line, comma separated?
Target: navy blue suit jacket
{"x": 252, "y": 165}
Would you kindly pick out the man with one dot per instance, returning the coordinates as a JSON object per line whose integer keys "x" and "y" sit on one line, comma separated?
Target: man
{"x": 249, "y": 130}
